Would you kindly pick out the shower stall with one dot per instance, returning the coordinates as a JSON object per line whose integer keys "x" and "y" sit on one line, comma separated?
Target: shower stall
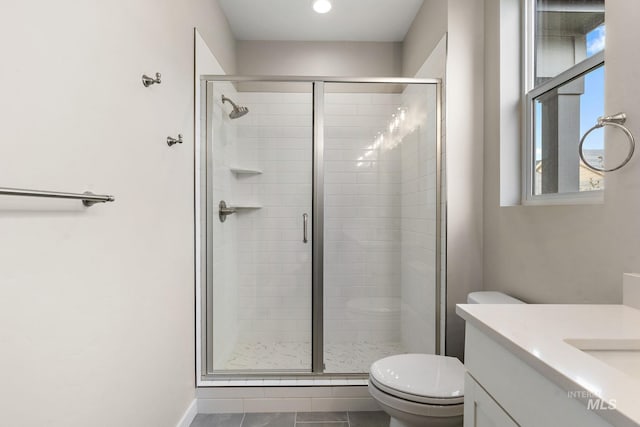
{"x": 321, "y": 227}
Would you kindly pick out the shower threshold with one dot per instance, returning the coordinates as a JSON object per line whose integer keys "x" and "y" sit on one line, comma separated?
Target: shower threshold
{"x": 339, "y": 358}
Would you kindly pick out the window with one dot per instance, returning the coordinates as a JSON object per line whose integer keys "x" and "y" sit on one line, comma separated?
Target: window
{"x": 565, "y": 96}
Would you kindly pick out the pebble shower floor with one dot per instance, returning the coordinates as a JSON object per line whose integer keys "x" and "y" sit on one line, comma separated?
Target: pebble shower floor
{"x": 354, "y": 357}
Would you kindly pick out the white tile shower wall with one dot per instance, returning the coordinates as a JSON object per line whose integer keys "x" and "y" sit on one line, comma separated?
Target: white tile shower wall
{"x": 418, "y": 224}
{"x": 225, "y": 235}
{"x": 274, "y": 265}
{"x": 362, "y": 221}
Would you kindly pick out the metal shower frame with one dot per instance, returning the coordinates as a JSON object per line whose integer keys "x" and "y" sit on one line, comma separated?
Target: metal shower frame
{"x": 207, "y": 204}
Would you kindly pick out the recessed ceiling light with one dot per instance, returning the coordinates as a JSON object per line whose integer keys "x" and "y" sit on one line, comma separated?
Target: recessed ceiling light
{"x": 322, "y": 6}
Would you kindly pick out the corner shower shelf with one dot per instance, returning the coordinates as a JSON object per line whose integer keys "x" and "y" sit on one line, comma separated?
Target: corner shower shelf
{"x": 228, "y": 209}
{"x": 244, "y": 171}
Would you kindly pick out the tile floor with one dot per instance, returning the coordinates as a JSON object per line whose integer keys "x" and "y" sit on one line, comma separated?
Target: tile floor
{"x": 294, "y": 419}
{"x": 355, "y": 357}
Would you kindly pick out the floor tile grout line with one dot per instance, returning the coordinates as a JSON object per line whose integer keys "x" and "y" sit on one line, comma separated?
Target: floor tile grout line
{"x": 310, "y": 423}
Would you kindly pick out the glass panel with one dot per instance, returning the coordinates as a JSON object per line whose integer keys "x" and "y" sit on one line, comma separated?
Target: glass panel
{"x": 567, "y": 32}
{"x": 261, "y": 165}
{"x": 561, "y": 117}
{"x": 380, "y": 223}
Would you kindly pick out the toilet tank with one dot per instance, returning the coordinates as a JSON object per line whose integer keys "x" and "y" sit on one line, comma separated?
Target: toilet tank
{"x": 490, "y": 297}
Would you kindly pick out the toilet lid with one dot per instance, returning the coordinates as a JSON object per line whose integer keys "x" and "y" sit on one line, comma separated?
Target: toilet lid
{"x": 422, "y": 378}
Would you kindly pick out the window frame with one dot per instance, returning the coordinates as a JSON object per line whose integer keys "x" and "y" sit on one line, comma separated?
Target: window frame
{"x": 531, "y": 92}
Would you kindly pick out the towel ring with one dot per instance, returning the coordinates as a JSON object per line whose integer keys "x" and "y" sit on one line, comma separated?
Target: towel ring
{"x": 617, "y": 120}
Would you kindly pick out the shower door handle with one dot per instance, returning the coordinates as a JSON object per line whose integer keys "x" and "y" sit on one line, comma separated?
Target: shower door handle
{"x": 305, "y": 222}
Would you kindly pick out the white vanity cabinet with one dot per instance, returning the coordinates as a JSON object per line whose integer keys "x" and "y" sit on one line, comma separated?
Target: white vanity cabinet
{"x": 480, "y": 410}
{"x": 501, "y": 390}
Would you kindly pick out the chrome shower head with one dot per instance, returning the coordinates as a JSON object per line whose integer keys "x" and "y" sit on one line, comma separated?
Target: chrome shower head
{"x": 237, "y": 110}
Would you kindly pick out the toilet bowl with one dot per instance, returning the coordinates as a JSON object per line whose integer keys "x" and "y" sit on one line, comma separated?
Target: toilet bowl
{"x": 420, "y": 390}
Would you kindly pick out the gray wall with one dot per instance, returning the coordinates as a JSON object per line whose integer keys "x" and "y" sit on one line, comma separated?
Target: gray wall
{"x": 215, "y": 30}
{"x": 464, "y": 168}
{"x": 428, "y": 27}
{"x": 461, "y": 21}
{"x": 319, "y": 58}
{"x": 566, "y": 254}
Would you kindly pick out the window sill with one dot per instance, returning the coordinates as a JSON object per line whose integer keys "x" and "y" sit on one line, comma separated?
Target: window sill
{"x": 585, "y": 198}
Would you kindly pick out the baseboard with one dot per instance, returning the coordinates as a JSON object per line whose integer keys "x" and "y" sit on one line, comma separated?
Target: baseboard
{"x": 212, "y": 400}
{"x": 189, "y": 414}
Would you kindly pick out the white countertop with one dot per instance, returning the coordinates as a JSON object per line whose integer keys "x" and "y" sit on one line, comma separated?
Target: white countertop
{"x": 536, "y": 333}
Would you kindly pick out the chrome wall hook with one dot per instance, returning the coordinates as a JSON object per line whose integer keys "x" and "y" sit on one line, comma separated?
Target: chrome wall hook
{"x": 173, "y": 141}
{"x": 148, "y": 81}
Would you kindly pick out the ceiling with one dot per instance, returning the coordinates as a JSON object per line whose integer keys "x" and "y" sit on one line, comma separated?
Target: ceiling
{"x": 295, "y": 20}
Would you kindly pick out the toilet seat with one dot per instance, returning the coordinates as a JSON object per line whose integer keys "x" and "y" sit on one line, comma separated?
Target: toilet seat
{"x": 420, "y": 378}
{"x": 397, "y": 406}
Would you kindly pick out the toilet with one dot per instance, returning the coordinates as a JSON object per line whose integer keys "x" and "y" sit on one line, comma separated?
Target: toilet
{"x": 425, "y": 390}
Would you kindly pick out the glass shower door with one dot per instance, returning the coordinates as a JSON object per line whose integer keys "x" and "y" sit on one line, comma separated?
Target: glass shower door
{"x": 380, "y": 232}
{"x": 320, "y": 203}
{"x": 259, "y": 207}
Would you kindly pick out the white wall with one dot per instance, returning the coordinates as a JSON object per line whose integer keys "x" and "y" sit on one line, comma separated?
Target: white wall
{"x": 96, "y": 305}
{"x": 568, "y": 254}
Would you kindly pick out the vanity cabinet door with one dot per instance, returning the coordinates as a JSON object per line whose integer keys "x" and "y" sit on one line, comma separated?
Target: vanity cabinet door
{"x": 480, "y": 410}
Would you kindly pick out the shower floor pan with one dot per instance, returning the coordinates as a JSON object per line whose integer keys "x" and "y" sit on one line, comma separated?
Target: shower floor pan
{"x": 338, "y": 358}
